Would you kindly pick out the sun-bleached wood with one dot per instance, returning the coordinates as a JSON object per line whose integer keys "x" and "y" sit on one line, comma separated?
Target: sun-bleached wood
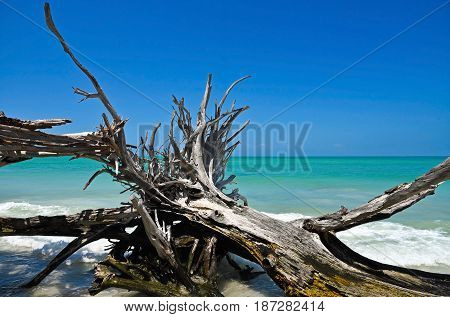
{"x": 184, "y": 219}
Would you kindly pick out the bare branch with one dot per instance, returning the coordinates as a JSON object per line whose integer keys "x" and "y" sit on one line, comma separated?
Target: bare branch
{"x": 229, "y": 90}
{"x": 161, "y": 244}
{"x": 182, "y": 185}
{"x": 32, "y": 124}
{"x": 75, "y": 245}
{"x": 67, "y": 226}
{"x": 85, "y": 94}
{"x": 101, "y": 95}
{"x": 384, "y": 206}
{"x": 91, "y": 179}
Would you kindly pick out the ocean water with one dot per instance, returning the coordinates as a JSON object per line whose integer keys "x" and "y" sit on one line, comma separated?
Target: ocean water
{"x": 286, "y": 188}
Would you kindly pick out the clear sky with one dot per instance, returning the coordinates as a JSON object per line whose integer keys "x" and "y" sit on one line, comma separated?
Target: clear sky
{"x": 394, "y": 102}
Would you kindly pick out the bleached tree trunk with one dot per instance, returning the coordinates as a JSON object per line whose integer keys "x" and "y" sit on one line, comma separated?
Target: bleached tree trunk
{"x": 185, "y": 221}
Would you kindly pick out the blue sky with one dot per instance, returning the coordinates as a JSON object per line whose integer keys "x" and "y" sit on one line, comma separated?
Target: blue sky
{"x": 395, "y": 102}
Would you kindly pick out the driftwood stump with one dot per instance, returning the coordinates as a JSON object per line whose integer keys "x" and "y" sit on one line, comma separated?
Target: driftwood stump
{"x": 185, "y": 220}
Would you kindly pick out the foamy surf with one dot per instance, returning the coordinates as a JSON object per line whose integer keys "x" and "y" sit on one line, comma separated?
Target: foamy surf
{"x": 289, "y": 216}
{"x": 383, "y": 241}
{"x": 48, "y": 247}
{"x": 386, "y": 242}
{"x": 401, "y": 245}
{"x": 396, "y": 244}
{"x": 25, "y": 209}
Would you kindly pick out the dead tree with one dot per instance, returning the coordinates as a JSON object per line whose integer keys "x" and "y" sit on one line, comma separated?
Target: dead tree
{"x": 186, "y": 219}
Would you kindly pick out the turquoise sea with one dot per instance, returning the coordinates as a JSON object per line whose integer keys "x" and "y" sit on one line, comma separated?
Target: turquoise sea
{"x": 287, "y": 188}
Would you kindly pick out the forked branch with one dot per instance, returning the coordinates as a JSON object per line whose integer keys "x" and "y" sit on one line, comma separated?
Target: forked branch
{"x": 185, "y": 219}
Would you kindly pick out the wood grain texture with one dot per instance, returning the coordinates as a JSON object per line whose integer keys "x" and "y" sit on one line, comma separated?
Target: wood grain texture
{"x": 183, "y": 219}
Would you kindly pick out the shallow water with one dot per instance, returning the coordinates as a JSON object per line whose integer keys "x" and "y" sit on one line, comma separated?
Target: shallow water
{"x": 416, "y": 238}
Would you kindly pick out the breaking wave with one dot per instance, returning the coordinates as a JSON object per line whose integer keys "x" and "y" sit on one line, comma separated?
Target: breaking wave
{"x": 395, "y": 244}
{"x": 382, "y": 241}
{"x": 24, "y": 209}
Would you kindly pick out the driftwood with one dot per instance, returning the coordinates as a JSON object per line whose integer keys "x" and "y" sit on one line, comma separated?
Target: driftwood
{"x": 183, "y": 219}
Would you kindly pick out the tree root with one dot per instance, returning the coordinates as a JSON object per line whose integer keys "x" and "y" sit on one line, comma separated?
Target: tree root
{"x": 183, "y": 219}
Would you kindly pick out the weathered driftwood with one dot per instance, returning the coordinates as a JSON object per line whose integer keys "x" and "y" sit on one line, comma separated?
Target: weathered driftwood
{"x": 32, "y": 125}
{"x": 384, "y": 206}
{"x": 69, "y": 226}
{"x": 183, "y": 219}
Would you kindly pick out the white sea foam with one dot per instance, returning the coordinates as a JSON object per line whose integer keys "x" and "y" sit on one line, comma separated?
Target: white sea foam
{"x": 386, "y": 242}
{"x": 289, "y": 216}
{"x": 48, "y": 247}
{"x": 394, "y": 243}
{"x": 25, "y": 209}
{"x": 398, "y": 244}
